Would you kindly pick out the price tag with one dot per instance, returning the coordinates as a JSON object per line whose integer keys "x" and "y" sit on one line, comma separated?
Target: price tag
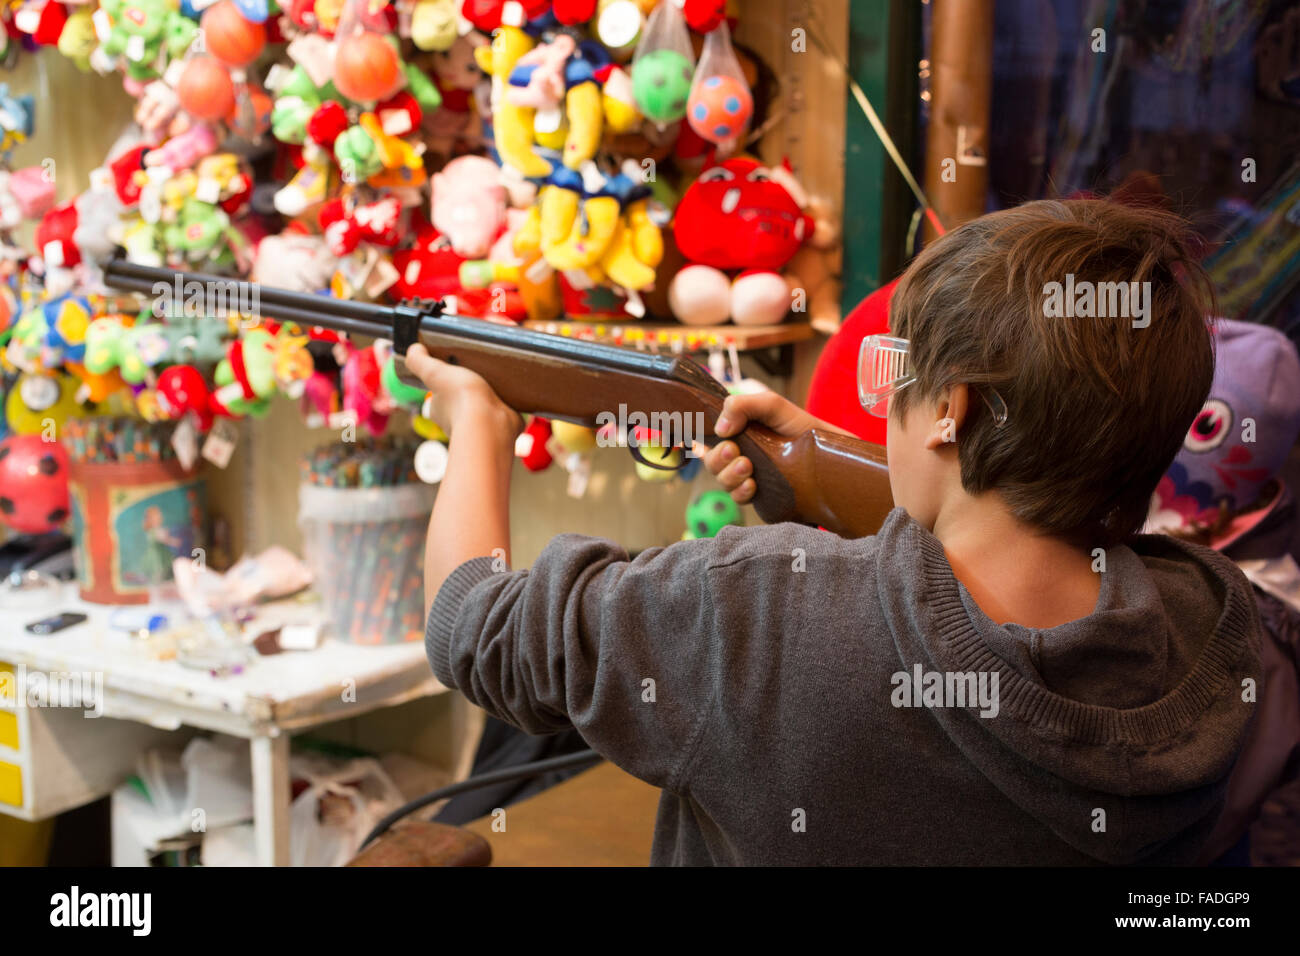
{"x": 395, "y": 122}
{"x": 208, "y": 190}
{"x": 172, "y": 75}
{"x": 579, "y": 468}
{"x": 185, "y": 441}
{"x": 221, "y": 442}
{"x": 103, "y": 24}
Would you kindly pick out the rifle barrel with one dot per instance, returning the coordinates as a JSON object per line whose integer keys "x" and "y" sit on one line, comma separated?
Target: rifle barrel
{"x": 370, "y": 319}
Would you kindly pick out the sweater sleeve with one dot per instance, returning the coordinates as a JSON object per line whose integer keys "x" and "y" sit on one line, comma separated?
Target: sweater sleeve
{"x": 621, "y": 650}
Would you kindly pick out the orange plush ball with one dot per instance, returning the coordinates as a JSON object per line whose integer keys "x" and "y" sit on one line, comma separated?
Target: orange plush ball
{"x": 205, "y": 89}
{"x": 366, "y": 67}
{"x": 230, "y": 36}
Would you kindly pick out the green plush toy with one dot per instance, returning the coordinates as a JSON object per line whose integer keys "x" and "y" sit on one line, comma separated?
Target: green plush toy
{"x": 132, "y": 351}
{"x": 195, "y": 341}
{"x": 708, "y": 513}
{"x": 103, "y": 345}
{"x": 142, "y": 29}
{"x": 296, "y": 100}
{"x": 202, "y": 235}
{"x": 422, "y": 88}
{"x": 357, "y": 154}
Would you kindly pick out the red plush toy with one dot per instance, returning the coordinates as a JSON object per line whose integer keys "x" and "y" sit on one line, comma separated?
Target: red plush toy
{"x": 736, "y": 217}
{"x": 327, "y": 123}
{"x": 530, "y": 446}
{"x": 124, "y": 169}
{"x": 54, "y": 236}
{"x": 573, "y": 13}
{"x": 704, "y": 16}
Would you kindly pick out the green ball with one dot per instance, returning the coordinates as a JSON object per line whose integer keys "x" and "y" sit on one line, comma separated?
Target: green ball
{"x": 661, "y": 84}
{"x": 709, "y": 513}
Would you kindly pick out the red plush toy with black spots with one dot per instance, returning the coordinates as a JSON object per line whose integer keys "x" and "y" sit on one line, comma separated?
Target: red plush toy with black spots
{"x": 33, "y": 484}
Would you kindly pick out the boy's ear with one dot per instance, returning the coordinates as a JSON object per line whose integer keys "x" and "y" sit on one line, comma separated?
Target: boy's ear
{"x": 950, "y": 414}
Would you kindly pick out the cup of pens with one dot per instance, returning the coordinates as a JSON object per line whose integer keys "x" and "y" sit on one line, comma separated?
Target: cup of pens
{"x": 364, "y": 515}
{"x": 135, "y": 509}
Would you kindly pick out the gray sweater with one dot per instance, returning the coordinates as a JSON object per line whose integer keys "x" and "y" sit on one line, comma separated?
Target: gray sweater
{"x": 805, "y": 699}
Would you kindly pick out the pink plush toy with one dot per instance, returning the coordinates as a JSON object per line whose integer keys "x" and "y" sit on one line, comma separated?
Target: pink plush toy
{"x": 469, "y": 205}
{"x": 183, "y": 151}
{"x": 362, "y": 392}
{"x": 25, "y": 194}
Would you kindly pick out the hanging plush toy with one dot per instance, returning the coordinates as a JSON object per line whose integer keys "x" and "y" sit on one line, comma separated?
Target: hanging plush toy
{"x": 720, "y": 104}
{"x": 735, "y": 220}
{"x": 205, "y": 88}
{"x": 230, "y": 36}
{"x": 664, "y": 66}
{"x": 181, "y": 391}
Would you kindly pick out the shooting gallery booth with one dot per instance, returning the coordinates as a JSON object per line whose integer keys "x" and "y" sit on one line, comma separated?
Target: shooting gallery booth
{"x": 225, "y": 227}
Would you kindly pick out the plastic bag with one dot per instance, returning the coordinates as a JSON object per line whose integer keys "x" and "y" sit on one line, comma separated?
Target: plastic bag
{"x": 720, "y": 105}
{"x": 332, "y": 816}
{"x": 663, "y": 66}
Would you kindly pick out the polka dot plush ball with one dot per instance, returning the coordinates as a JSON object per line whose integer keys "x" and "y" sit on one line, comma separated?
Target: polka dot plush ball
{"x": 33, "y": 484}
{"x": 720, "y": 108}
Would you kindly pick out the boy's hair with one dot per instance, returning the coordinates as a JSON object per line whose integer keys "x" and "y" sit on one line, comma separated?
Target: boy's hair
{"x": 1096, "y": 408}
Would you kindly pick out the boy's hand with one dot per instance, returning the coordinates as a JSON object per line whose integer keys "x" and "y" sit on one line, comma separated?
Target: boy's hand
{"x": 461, "y": 396}
{"x": 783, "y": 416}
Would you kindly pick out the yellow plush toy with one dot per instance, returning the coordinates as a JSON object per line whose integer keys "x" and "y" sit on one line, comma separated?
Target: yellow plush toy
{"x": 512, "y": 125}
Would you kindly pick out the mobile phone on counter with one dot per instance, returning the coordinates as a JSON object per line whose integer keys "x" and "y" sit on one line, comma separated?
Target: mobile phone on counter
{"x": 52, "y": 625}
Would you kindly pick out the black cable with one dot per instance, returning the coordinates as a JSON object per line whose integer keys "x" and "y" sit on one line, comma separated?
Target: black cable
{"x": 483, "y": 780}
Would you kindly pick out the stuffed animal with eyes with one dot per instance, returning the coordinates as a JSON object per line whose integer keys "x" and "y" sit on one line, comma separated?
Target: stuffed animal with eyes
{"x": 738, "y": 226}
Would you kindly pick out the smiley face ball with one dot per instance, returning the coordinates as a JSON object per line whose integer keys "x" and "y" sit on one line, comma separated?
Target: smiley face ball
{"x": 720, "y": 108}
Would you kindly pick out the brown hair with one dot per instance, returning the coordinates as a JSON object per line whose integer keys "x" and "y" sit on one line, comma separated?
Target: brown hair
{"x": 1096, "y": 408}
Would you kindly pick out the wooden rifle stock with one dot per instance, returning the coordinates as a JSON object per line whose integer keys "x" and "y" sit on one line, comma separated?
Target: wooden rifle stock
{"x": 820, "y": 477}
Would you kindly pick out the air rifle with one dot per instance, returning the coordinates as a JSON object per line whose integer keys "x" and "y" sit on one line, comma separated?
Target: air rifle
{"x": 820, "y": 477}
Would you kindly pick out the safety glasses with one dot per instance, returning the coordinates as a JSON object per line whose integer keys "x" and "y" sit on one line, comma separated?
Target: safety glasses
{"x": 885, "y": 368}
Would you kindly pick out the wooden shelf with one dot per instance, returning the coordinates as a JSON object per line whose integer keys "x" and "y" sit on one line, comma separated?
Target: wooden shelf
{"x": 667, "y": 335}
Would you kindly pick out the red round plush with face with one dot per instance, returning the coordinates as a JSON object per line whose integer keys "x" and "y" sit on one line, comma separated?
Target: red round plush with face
{"x": 735, "y": 217}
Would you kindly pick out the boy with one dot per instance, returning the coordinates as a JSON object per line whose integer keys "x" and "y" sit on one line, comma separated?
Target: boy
{"x": 1003, "y": 674}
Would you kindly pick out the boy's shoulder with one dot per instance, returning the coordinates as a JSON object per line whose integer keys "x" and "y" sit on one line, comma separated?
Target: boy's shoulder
{"x": 735, "y": 545}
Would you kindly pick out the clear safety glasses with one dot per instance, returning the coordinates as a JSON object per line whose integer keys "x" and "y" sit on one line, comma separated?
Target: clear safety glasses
{"x": 885, "y": 368}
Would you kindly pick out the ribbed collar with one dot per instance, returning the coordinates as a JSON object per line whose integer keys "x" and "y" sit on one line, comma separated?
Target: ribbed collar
{"x": 933, "y": 625}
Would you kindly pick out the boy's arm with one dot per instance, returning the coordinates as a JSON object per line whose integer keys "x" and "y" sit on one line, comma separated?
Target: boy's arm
{"x": 620, "y": 650}
{"x": 471, "y": 516}
{"x": 626, "y": 652}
